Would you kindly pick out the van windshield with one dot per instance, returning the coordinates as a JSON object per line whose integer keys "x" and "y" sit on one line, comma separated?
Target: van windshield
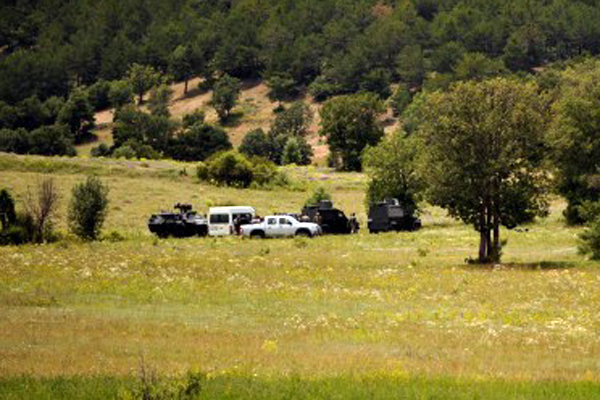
{"x": 219, "y": 218}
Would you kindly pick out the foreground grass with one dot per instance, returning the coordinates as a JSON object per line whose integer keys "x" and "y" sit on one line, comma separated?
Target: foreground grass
{"x": 236, "y": 386}
{"x": 356, "y": 315}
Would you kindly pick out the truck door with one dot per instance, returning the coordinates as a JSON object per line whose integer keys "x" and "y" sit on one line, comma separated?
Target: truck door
{"x": 286, "y": 227}
{"x": 272, "y": 227}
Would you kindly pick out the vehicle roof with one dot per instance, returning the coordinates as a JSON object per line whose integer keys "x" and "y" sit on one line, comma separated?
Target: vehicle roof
{"x": 231, "y": 209}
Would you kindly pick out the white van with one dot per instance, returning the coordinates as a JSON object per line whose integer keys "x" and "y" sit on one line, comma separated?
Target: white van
{"x": 221, "y": 219}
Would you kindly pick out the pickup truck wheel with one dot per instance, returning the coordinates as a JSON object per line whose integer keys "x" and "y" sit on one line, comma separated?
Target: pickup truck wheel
{"x": 257, "y": 235}
{"x": 303, "y": 233}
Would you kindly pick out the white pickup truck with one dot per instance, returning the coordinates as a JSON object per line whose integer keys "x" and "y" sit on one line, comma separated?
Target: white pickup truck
{"x": 280, "y": 226}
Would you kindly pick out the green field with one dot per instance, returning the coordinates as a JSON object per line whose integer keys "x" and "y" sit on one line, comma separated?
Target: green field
{"x": 387, "y": 316}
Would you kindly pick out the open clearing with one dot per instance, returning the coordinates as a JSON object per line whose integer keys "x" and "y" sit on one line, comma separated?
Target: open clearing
{"x": 365, "y": 315}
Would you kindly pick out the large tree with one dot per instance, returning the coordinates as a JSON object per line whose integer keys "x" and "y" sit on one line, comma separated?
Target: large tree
{"x": 349, "y": 123}
{"x": 575, "y": 137}
{"x": 142, "y": 78}
{"x": 225, "y": 96}
{"x": 392, "y": 170}
{"x": 483, "y": 154}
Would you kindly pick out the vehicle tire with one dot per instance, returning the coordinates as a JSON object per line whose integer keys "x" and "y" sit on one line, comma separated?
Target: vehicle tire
{"x": 373, "y": 231}
{"x": 257, "y": 235}
{"x": 303, "y": 233}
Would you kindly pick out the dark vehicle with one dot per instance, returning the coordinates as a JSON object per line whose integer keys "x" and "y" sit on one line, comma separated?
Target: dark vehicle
{"x": 184, "y": 223}
{"x": 389, "y": 215}
{"x": 331, "y": 220}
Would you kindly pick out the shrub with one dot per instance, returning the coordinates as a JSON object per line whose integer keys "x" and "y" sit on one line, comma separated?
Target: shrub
{"x": 317, "y": 195}
{"x": 256, "y": 143}
{"x": 198, "y": 142}
{"x": 400, "y": 100}
{"x": 590, "y": 240}
{"x": 7, "y": 209}
{"x": 234, "y": 169}
{"x": 231, "y": 168}
{"x": 296, "y": 151}
{"x": 51, "y": 140}
{"x": 102, "y": 150}
{"x": 225, "y": 96}
{"x": 98, "y": 94}
{"x": 88, "y": 208}
{"x": 41, "y": 205}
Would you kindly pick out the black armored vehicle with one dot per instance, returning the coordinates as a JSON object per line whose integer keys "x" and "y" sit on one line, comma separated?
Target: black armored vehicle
{"x": 389, "y": 215}
{"x": 331, "y": 220}
{"x": 184, "y": 223}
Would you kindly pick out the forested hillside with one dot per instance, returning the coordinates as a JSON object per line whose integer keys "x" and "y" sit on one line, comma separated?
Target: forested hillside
{"x": 49, "y": 47}
{"x": 60, "y": 61}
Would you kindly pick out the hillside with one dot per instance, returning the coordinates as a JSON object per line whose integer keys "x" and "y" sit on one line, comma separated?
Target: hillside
{"x": 254, "y": 107}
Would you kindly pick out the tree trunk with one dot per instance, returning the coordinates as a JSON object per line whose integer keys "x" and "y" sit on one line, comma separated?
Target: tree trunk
{"x": 141, "y": 99}
{"x": 185, "y": 87}
{"x": 483, "y": 245}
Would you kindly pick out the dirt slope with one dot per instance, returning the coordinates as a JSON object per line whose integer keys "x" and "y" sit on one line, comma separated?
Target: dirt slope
{"x": 254, "y": 108}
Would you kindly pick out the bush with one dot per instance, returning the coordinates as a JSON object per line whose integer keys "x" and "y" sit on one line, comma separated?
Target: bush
{"x": 234, "y": 169}
{"x": 296, "y": 151}
{"x": 88, "y": 208}
{"x": 400, "y": 100}
{"x": 225, "y": 96}
{"x": 256, "y": 143}
{"x": 102, "y": 150}
{"x": 7, "y": 210}
{"x": 198, "y": 142}
{"x": 231, "y": 168}
{"x": 51, "y": 140}
{"x": 98, "y": 94}
{"x": 14, "y": 235}
{"x": 590, "y": 240}
{"x": 317, "y": 195}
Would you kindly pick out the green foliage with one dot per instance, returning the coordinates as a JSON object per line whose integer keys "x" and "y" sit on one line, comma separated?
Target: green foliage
{"x": 102, "y": 150}
{"x": 134, "y": 124}
{"x": 349, "y": 123}
{"x": 393, "y": 171}
{"x": 225, "y": 95}
{"x": 132, "y": 149}
{"x": 78, "y": 114}
{"x": 8, "y": 215}
{"x": 256, "y": 143}
{"x": 281, "y": 87}
{"x": 376, "y": 81}
{"x": 231, "y": 168}
{"x": 196, "y": 117}
{"x": 198, "y": 142}
{"x": 228, "y": 168}
{"x": 477, "y": 66}
{"x": 99, "y": 95}
{"x": 400, "y": 100}
{"x": 411, "y": 64}
{"x": 294, "y": 121}
{"x": 51, "y": 140}
{"x": 142, "y": 78}
{"x": 296, "y": 151}
{"x": 160, "y": 97}
{"x": 574, "y": 137}
{"x": 484, "y": 147}
{"x": 319, "y": 194}
{"x": 88, "y": 208}
{"x": 590, "y": 240}
{"x": 183, "y": 64}
{"x": 120, "y": 93}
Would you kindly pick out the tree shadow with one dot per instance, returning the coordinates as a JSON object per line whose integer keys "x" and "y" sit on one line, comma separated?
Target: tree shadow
{"x": 88, "y": 138}
{"x": 535, "y": 266}
{"x": 250, "y": 83}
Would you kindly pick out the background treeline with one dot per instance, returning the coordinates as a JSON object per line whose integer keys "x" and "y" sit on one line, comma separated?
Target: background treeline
{"x": 329, "y": 46}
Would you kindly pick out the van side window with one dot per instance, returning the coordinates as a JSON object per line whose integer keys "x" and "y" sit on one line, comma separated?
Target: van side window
{"x": 219, "y": 218}
{"x": 272, "y": 221}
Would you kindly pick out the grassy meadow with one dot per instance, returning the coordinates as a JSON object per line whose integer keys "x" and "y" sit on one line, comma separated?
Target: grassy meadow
{"x": 393, "y": 315}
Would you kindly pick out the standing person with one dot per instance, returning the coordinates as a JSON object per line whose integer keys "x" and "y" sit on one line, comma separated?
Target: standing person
{"x": 353, "y": 223}
{"x": 237, "y": 224}
{"x": 318, "y": 219}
